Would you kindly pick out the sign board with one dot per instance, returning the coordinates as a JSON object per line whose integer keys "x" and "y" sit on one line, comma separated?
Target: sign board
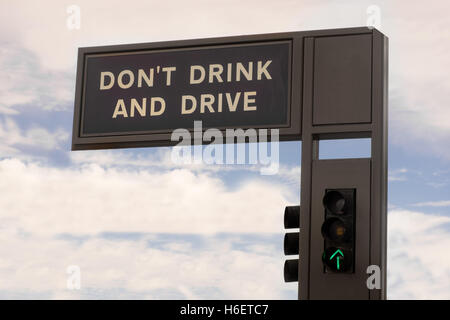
{"x": 137, "y": 95}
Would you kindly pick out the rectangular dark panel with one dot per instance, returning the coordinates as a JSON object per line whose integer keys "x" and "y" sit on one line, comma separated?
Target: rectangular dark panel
{"x": 224, "y": 75}
{"x": 137, "y": 95}
{"x": 342, "y": 79}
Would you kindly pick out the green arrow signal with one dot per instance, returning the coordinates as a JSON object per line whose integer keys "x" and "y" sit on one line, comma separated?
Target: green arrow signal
{"x": 336, "y": 252}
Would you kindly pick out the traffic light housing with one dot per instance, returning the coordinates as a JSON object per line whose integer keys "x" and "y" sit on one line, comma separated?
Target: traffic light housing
{"x": 343, "y": 199}
{"x": 338, "y": 230}
{"x": 291, "y": 242}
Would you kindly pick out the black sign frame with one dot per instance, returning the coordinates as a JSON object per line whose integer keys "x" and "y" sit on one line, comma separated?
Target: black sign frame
{"x": 152, "y": 138}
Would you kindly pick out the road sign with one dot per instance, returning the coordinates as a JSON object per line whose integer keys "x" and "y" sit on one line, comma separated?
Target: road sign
{"x": 137, "y": 95}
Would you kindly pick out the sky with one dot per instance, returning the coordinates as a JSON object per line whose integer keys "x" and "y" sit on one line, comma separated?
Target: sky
{"x": 134, "y": 224}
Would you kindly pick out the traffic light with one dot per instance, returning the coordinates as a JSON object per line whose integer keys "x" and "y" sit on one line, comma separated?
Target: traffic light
{"x": 291, "y": 242}
{"x": 338, "y": 230}
{"x": 343, "y": 198}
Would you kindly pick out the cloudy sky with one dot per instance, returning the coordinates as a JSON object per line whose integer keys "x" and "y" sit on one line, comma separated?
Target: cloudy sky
{"x": 139, "y": 226}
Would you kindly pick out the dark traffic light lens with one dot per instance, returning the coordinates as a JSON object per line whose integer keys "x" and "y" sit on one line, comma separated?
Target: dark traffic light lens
{"x": 335, "y": 229}
{"x": 291, "y": 243}
{"x": 337, "y": 259}
{"x": 291, "y": 270}
{"x": 334, "y": 201}
{"x": 292, "y": 217}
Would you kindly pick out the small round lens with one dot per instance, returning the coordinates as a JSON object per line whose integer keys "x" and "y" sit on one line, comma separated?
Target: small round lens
{"x": 334, "y": 229}
{"x": 337, "y": 259}
{"x": 334, "y": 201}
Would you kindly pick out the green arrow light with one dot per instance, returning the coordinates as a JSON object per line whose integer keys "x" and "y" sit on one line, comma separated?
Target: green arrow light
{"x": 335, "y": 253}
{"x": 336, "y": 259}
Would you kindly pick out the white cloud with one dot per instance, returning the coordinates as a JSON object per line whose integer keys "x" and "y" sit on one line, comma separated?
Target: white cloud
{"x": 393, "y": 178}
{"x": 172, "y": 201}
{"x": 397, "y": 174}
{"x": 437, "y": 184}
{"x": 41, "y": 27}
{"x": 13, "y": 138}
{"x": 444, "y": 203}
{"x": 128, "y": 268}
{"x": 162, "y": 159}
{"x": 23, "y": 81}
{"x": 419, "y": 82}
{"x": 44, "y": 207}
{"x": 418, "y": 260}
